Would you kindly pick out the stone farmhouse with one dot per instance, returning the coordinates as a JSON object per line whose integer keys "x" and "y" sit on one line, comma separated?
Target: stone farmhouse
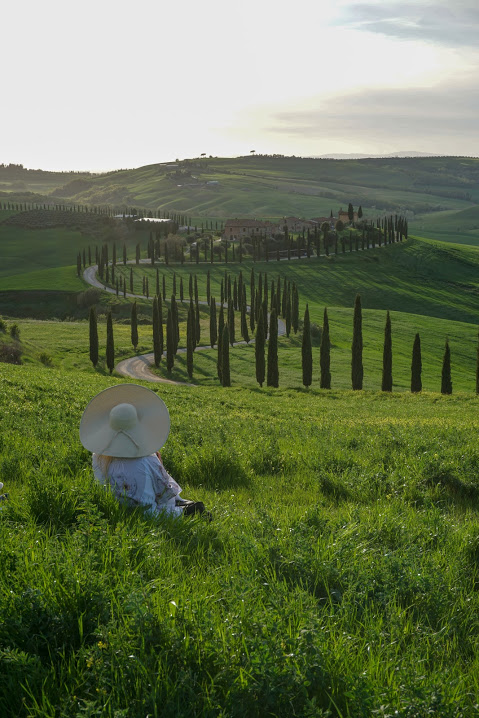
{"x": 295, "y": 224}
{"x": 236, "y": 229}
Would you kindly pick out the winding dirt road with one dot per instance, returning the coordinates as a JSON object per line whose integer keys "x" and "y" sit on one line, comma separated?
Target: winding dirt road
{"x": 138, "y": 367}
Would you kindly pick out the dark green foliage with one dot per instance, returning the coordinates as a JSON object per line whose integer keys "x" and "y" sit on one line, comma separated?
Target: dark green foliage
{"x": 306, "y": 350}
{"x": 387, "y": 378}
{"x": 273, "y": 370}
{"x": 197, "y": 323}
{"x": 93, "y": 337}
{"x": 110, "y": 344}
{"x": 176, "y": 324}
{"x": 357, "y": 347}
{"x": 325, "y": 354}
{"x": 231, "y": 322}
{"x": 170, "y": 341}
{"x": 416, "y": 365}
{"x": 213, "y": 324}
{"x": 134, "y": 325}
{"x": 131, "y": 280}
{"x": 244, "y": 318}
{"x": 190, "y": 340}
{"x": 260, "y": 341}
{"x": 208, "y": 287}
{"x": 446, "y": 382}
{"x": 157, "y": 350}
{"x": 221, "y": 325}
{"x": 225, "y": 358}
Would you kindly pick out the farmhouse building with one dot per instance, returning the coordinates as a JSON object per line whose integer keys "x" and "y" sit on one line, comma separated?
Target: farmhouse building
{"x": 344, "y": 217}
{"x": 295, "y": 224}
{"x": 237, "y": 228}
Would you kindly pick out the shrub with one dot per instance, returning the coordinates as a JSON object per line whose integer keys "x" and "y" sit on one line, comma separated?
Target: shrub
{"x": 46, "y": 359}
{"x": 3, "y": 326}
{"x": 15, "y": 332}
{"x": 10, "y": 353}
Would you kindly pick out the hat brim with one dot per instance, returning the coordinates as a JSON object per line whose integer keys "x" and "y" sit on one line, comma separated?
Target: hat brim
{"x": 148, "y": 436}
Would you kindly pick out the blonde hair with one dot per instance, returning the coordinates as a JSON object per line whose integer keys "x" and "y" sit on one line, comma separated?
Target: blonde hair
{"x": 105, "y": 462}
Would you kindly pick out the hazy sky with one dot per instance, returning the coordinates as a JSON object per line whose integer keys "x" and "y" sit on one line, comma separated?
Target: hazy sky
{"x": 109, "y": 84}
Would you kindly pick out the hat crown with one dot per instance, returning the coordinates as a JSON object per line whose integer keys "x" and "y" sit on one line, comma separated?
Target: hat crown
{"x": 123, "y": 416}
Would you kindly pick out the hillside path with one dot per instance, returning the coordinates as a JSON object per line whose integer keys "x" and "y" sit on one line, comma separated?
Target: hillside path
{"x": 138, "y": 367}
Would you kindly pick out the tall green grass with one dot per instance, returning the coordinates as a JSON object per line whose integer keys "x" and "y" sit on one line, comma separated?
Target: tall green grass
{"x": 339, "y": 576}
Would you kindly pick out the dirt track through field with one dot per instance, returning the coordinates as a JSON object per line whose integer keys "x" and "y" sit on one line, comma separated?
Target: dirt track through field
{"x": 138, "y": 367}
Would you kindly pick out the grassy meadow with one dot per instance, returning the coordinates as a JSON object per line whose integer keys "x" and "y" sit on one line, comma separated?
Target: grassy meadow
{"x": 338, "y": 577}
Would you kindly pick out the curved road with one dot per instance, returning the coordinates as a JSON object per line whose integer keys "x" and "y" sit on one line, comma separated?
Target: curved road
{"x": 138, "y": 367}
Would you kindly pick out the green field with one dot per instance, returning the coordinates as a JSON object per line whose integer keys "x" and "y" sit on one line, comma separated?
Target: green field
{"x": 339, "y": 576}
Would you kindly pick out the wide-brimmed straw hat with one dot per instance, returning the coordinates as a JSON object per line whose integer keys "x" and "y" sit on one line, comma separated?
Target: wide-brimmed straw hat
{"x": 126, "y": 421}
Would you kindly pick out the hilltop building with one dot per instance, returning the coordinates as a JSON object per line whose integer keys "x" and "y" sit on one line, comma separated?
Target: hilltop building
{"x": 237, "y": 228}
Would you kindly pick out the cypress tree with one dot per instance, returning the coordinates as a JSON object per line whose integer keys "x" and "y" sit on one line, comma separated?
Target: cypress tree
{"x": 134, "y": 325}
{"x": 110, "y": 344}
{"x": 273, "y": 371}
{"x": 137, "y": 254}
{"x": 231, "y": 322}
{"x": 174, "y": 283}
{"x": 213, "y": 326}
{"x": 197, "y": 323}
{"x": 93, "y": 337}
{"x": 156, "y": 332}
{"x": 170, "y": 339}
{"x": 157, "y": 282}
{"x": 446, "y": 382}
{"x": 196, "y": 289}
{"x": 325, "y": 354}
{"x": 190, "y": 341}
{"x": 208, "y": 287}
{"x": 225, "y": 359}
{"x": 357, "y": 347}
{"x": 235, "y": 295}
{"x": 124, "y": 255}
{"x": 147, "y": 288}
{"x": 306, "y": 350}
{"x": 416, "y": 365}
{"x": 387, "y": 380}
{"x": 244, "y": 321}
{"x": 160, "y": 324}
{"x": 176, "y": 324}
{"x": 190, "y": 286}
{"x": 259, "y": 351}
{"x": 221, "y": 325}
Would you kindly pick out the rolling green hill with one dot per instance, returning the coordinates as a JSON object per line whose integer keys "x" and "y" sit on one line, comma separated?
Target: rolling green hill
{"x": 280, "y": 186}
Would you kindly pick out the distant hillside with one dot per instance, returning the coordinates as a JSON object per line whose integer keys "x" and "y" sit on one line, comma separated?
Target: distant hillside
{"x": 270, "y": 186}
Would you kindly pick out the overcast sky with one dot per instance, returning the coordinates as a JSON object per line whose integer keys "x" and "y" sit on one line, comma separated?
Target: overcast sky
{"x": 107, "y": 84}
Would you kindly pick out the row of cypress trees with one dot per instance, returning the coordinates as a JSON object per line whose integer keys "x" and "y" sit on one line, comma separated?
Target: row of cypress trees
{"x": 416, "y": 362}
{"x": 222, "y": 333}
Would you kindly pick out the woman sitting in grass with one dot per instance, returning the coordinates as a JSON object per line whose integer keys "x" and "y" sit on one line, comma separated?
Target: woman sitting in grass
{"x": 124, "y": 427}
